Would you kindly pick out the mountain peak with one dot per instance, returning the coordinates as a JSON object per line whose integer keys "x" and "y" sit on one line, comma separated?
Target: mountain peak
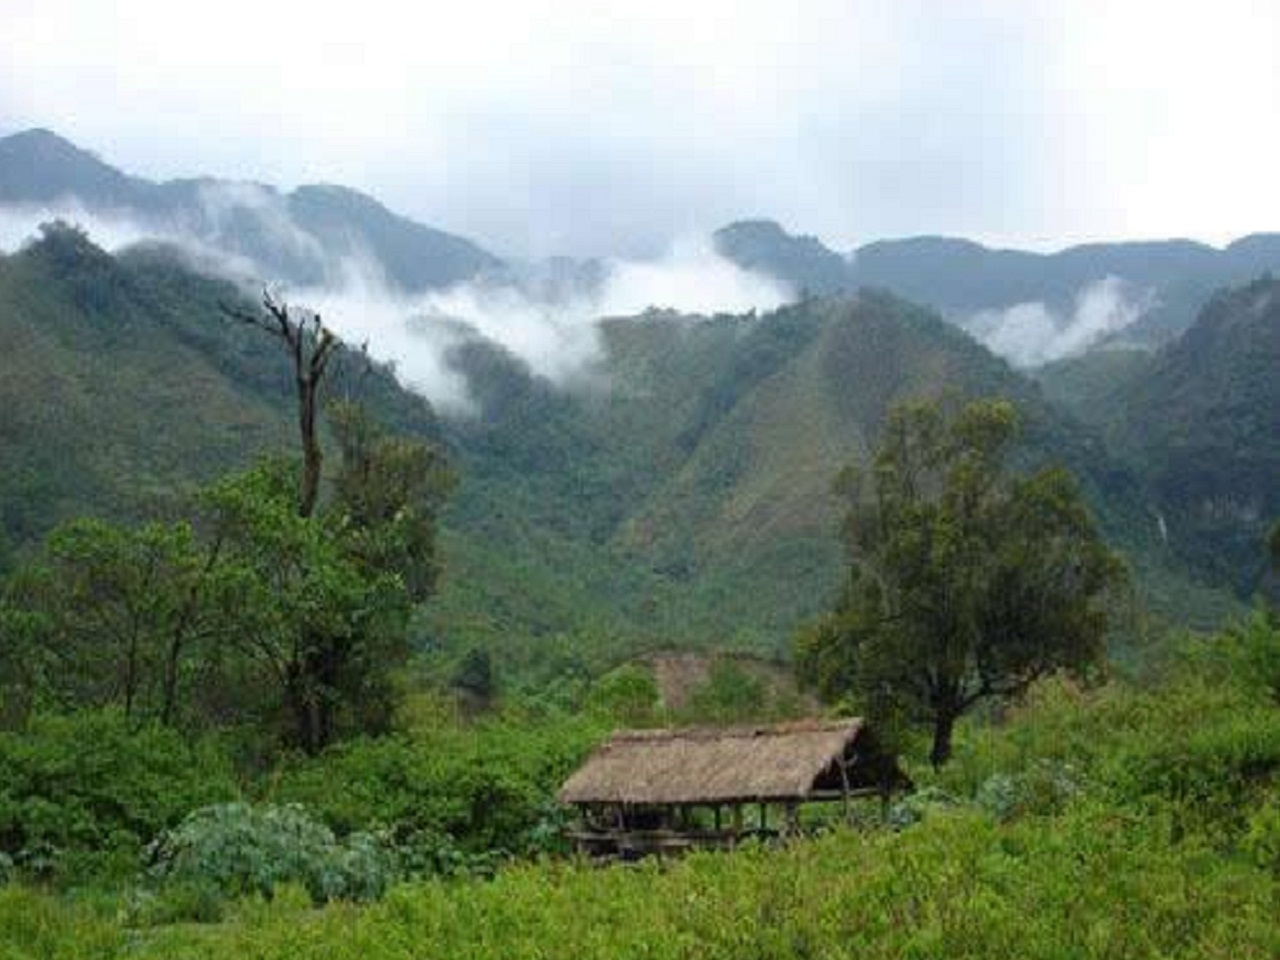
{"x": 38, "y": 165}
{"x": 801, "y": 261}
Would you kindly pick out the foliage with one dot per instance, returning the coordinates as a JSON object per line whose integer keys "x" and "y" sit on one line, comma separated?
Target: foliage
{"x": 81, "y": 795}
{"x": 966, "y": 583}
{"x": 115, "y": 612}
{"x": 627, "y": 695}
{"x": 1263, "y": 839}
{"x": 731, "y": 694}
{"x": 956, "y": 885}
{"x": 237, "y": 848}
{"x": 447, "y": 796}
{"x": 1252, "y": 647}
{"x": 325, "y": 627}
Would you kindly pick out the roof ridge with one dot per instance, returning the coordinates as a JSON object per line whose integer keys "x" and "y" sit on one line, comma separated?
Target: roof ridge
{"x": 807, "y": 725}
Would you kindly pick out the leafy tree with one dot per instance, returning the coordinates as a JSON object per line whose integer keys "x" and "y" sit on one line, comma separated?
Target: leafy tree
{"x": 388, "y": 494}
{"x": 331, "y": 587}
{"x": 966, "y": 582}
{"x": 326, "y": 627}
{"x": 113, "y": 613}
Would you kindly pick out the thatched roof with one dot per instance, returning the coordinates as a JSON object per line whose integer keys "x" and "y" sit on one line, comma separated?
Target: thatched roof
{"x": 778, "y": 763}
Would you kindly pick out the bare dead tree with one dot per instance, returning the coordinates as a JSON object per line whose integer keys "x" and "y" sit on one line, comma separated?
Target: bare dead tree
{"x": 310, "y": 345}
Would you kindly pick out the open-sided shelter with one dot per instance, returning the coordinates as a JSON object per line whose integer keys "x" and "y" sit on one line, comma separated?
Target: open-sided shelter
{"x": 655, "y": 790}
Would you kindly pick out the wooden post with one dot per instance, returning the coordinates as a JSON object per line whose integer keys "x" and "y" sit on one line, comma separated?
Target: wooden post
{"x": 717, "y": 818}
{"x": 792, "y": 822}
{"x": 844, "y": 787}
{"x": 764, "y": 817}
{"x": 737, "y": 819}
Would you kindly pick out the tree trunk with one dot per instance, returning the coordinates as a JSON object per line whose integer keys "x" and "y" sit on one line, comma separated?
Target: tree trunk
{"x": 944, "y": 722}
{"x": 311, "y": 455}
{"x": 302, "y": 703}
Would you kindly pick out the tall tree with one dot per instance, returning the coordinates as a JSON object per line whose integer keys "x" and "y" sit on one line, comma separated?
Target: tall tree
{"x": 310, "y": 346}
{"x": 966, "y": 582}
{"x": 346, "y": 574}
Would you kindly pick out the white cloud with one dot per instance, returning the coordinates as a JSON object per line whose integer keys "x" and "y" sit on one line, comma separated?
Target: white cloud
{"x": 555, "y": 335}
{"x": 1031, "y": 334}
{"x": 558, "y": 339}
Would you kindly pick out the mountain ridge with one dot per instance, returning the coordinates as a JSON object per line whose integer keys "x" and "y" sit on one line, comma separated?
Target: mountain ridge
{"x": 39, "y": 166}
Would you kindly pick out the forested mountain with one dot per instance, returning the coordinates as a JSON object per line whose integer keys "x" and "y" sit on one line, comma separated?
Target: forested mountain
{"x": 124, "y": 386}
{"x": 680, "y": 494}
{"x": 1200, "y": 422}
{"x": 300, "y": 236}
{"x": 680, "y": 498}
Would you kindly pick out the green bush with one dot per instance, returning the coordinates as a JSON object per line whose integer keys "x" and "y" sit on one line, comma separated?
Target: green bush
{"x": 450, "y": 795}
{"x": 627, "y": 695}
{"x": 81, "y": 795}
{"x": 1042, "y": 788}
{"x": 238, "y": 849}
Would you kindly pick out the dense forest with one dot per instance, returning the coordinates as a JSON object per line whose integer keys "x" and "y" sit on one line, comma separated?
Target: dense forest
{"x": 292, "y": 663}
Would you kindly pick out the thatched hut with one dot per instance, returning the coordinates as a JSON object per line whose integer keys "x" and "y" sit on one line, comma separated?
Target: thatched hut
{"x": 656, "y": 790}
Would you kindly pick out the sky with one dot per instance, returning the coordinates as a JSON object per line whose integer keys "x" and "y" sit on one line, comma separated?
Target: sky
{"x": 592, "y": 127}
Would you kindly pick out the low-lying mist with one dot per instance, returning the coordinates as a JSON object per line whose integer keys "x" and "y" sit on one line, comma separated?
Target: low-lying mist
{"x": 1032, "y": 334}
{"x": 556, "y": 333}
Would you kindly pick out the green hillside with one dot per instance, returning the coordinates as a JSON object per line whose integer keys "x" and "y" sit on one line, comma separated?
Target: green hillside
{"x": 124, "y": 386}
{"x": 1203, "y": 426}
{"x": 683, "y": 501}
{"x": 1198, "y": 423}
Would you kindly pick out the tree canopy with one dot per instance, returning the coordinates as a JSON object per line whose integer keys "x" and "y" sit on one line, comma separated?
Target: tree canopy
{"x": 966, "y": 581}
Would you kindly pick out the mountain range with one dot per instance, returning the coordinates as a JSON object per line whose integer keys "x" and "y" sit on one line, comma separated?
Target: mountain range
{"x": 679, "y": 495}
{"x": 309, "y": 235}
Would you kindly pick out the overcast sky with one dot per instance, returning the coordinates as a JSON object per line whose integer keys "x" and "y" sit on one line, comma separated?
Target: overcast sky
{"x": 599, "y": 127}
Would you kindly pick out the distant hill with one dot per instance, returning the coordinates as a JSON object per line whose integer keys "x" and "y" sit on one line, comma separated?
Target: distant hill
{"x": 802, "y": 262}
{"x": 1199, "y": 423}
{"x": 959, "y": 277}
{"x": 299, "y": 237}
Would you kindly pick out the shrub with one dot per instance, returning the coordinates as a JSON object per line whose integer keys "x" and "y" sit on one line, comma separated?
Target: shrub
{"x": 484, "y": 791}
{"x": 1042, "y": 788}
{"x": 627, "y": 695}
{"x": 81, "y": 795}
{"x": 237, "y": 849}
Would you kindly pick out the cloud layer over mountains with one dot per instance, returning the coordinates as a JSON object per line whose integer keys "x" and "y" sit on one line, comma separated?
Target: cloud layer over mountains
{"x": 553, "y": 327}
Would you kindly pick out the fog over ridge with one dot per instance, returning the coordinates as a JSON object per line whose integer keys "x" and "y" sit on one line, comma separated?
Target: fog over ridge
{"x": 555, "y": 333}
{"x": 1032, "y": 334}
